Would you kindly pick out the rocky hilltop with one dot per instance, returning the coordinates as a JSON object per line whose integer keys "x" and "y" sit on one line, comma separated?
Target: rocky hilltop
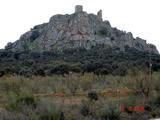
{"x": 79, "y": 29}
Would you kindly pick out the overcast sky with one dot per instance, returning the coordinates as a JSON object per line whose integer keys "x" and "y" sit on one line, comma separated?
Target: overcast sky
{"x": 141, "y": 17}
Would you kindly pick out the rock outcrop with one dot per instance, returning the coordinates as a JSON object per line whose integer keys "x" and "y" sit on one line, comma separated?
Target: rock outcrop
{"x": 77, "y": 30}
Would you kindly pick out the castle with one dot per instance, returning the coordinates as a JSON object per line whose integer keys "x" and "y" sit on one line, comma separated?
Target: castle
{"x": 79, "y": 8}
{"x": 77, "y": 30}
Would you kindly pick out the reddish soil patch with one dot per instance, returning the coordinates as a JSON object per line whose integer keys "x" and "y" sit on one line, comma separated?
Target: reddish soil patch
{"x": 111, "y": 93}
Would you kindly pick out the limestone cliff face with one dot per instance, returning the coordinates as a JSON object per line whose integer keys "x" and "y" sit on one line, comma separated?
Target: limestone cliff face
{"x": 77, "y": 30}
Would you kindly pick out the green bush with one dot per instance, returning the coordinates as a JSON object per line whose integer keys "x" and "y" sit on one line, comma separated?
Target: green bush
{"x": 26, "y": 72}
{"x": 85, "y": 109}
{"x": 16, "y": 101}
{"x": 111, "y": 113}
{"x": 48, "y": 110}
{"x": 2, "y": 73}
{"x": 61, "y": 69}
{"x": 92, "y": 95}
{"x": 40, "y": 72}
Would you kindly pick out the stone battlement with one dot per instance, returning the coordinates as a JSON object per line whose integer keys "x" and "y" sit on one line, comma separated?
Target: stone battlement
{"x": 99, "y": 14}
{"x": 78, "y": 8}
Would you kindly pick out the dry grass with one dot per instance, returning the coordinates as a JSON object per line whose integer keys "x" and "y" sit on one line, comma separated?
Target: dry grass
{"x": 71, "y": 90}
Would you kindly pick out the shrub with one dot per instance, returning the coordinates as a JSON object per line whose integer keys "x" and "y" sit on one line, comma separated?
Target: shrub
{"x": 102, "y": 71}
{"x": 111, "y": 112}
{"x": 121, "y": 71}
{"x": 27, "y": 100}
{"x": 26, "y": 72}
{"x": 2, "y": 73}
{"x": 9, "y": 70}
{"x": 16, "y": 101}
{"x": 85, "y": 109}
{"x": 60, "y": 69}
{"x": 48, "y": 110}
{"x": 100, "y": 110}
{"x": 92, "y": 95}
{"x": 148, "y": 108}
{"x": 89, "y": 67}
{"x": 28, "y": 63}
{"x": 140, "y": 81}
{"x": 157, "y": 101}
{"x": 9, "y": 84}
{"x": 40, "y": 72}
{"x": 75, "y": 69}
{"x": 86, "y": 82}
{"x": 72, "y": 82}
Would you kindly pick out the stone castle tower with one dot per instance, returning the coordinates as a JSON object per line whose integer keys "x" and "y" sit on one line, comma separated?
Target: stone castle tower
{"x": 78, "y": 8}
{"x": 99, "y": 14}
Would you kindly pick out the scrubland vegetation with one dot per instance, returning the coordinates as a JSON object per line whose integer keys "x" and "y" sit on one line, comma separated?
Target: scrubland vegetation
{"x": 99, "y": 60}
{"x": 23, "y": 98}
{"x": 79, "y": 85}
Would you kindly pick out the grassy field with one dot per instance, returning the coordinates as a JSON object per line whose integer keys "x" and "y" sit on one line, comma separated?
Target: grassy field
{"x": 80, "y": 96}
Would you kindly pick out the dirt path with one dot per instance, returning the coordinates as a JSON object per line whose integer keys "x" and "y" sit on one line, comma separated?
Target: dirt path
{"x": 110, "y": 92}
{"x": 75, "y": 99}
